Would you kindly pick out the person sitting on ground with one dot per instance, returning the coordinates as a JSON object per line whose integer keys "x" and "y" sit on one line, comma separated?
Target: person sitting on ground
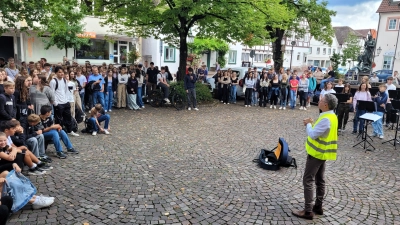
{"x": 97, "y": 115}
{"x": 36, "y": 167}
{"x": 37, "y": 202}
{"x": 162, "y": 82}
{"x": 53, "y": 132}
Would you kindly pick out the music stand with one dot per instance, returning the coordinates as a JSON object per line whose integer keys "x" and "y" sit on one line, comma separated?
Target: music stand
{"x": 396, "y": 106}
{"x": 373, "y": 91}
{"x": 393, "y": 94}
{"x": 338, "y": 89}
{"x": 368, "y": 118}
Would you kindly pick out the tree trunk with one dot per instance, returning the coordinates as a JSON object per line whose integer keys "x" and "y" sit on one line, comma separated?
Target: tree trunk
{"x": 66, "y": 52}
{"x": 183, "y": 53}
{"x": 277, "y": 49}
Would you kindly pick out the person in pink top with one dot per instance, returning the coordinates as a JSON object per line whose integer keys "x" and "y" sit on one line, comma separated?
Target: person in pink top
{"x": 294, "y": 84}
{"x": 361, "y": 95}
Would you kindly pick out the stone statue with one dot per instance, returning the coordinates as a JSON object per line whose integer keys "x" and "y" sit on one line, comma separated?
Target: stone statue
{"x": 365, "y": 60}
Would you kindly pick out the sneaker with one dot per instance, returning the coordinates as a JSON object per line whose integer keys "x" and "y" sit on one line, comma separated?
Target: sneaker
{"x": 274, "y": 107}
{"x": 45, "y": 159}
{"x": 61, "y": 155}
{"x": 280, "y": 108}
{"x": 224, "y": 103}
{"x": 374, "y": 135}
{"x": 36, "y": 171}
{"x": 74, "y": 134}
{"x": 284, "y": 108}
{"x": 354, "y": 132}
{"x": 166, "y": 100}
{"x": 301, "y": 108}
{"x": 42, "y": 202}
{"x": 94, "y": 133}
{"x": 304, "y": 108}
{"x": 270, "y": 106}
{"x": 189, "y": 108}
{"x": 381, "y": 136}
{"x": 308, "y": 105}
{"x": 249, "y": 106}
{"x": 106, "y": 132}
{"x": 196, "y": 109}
{"x": 228, "y": 103}
{"x": 245, "y": 105}
{"x": 339, "y": 130}
{"x": 105, "y": 110}
{"x": 142, "y": 107}
{"x": 73, "y": 151}
{"x": 109, "y": 110}
{"x": 44, "y": 167}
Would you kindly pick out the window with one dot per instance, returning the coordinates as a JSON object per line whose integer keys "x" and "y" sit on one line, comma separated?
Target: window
{"x": 387, "y": 62}
{"x": 96, "y": 49}
{"x": 329, "y": 51}
{"x": 318, "y": 51}
{"x": 334, "y": 51}
{"x": 298, "y": 56}
{"x": 324, "y": 51}
{"x": 232, "y": 57}
{"x": 310, "y": 50}
{"x": 169, "y": 54}
{"x": 392, "y": 24}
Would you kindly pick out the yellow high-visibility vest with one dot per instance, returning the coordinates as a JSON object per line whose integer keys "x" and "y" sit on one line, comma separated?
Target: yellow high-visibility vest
{"x": 324, "y": 148}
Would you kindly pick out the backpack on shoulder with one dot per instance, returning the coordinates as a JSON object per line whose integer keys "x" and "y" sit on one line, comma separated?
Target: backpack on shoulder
{"x": 277, "y": 157}
{"x": 65, "y": 82}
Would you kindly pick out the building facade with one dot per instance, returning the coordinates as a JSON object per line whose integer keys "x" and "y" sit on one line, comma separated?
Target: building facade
{"x": 388, "y": 36}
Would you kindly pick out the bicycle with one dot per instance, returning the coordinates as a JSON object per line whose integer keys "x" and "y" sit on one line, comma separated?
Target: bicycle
{"x": 156, "y": 99}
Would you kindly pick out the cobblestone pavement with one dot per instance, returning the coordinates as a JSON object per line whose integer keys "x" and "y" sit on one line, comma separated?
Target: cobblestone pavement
{"x": 162, "y": 166}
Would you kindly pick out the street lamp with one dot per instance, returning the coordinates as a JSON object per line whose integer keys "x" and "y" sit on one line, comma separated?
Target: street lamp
{"x": 378, "y": 51}
{"x": 293, "y": 43}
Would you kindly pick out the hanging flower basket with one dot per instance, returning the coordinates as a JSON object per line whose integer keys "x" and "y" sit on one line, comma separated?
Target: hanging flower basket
{"x": 268, "y": 61}
{"x": 373, "y": 65}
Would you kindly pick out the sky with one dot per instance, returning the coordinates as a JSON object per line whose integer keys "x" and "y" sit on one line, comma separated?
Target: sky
{"x": 357, "y": 14}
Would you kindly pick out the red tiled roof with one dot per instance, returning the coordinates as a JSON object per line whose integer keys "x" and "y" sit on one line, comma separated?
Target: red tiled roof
{"x": 365, "y": 32}
{"x": 389, "y": 6}
{"x": 374, "y": 33}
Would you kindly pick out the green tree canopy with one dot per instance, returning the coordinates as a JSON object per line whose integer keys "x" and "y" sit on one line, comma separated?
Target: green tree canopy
{"x": 310, "y": 16}
{"x": 352, "y": 48}
{"x": 63, "y": 25}
{"x": 171, "y": 20}
{"x": 201, "y": 45}
{"x": 14, "y": 13}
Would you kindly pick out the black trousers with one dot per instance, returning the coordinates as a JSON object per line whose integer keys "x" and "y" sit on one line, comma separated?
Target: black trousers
{"x": 7, "y": 165}
{"x": 62, "y": 114}
{"x": 303, "y": 98}
{"x": 343, "y": 115}
{"x": 388, "y": 112}
{"x": 247, "y": 96}
{"x": 263, "y": 97}
{"x": 5, "y": 209}
{"x": 225, "y": 93}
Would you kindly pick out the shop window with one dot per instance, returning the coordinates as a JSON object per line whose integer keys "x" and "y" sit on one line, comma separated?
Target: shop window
{"x": 96, "y": 49}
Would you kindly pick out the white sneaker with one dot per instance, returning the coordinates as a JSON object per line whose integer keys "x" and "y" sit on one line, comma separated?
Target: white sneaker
{"x": 166, "y": 100}
{"x": 270, "y": 106}
{"x": 381, "y": 136}
{"x": 196, "y": 109}
{"x": 105, "y": 110}
{"x": 228, "y": 103}
{"x": 94, "y": 133}
{"x": 301, "y": 108}
{"x": 224, "y": 103}
{"x": 42, "y": 202}
{"x": 304, "y": 108}
{"x": 74, "y": 134}
{"x": 109, "y": 110}
{"x": 249, "y": 106}
{"x": 280, "y": 108}
{"x": 189, "y": 108}
{"x": 142, "y": 107}
{"x": 274, "y": 107}
{"x": 106, "y": 131}
{"x": 284, "y": 108}
{"x": 245, "y": 105}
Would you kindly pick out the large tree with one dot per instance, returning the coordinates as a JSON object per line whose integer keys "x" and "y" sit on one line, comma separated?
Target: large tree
{"x": 171, "y": 20}
{"x": 312, "y": 12}
{"x": 64, "y": 25}
{"x": 21, "y": 14}
{"x": 352, "y": 48}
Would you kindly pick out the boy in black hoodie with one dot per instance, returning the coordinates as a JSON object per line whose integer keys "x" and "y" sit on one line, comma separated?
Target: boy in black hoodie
{"x": 7, "y": 102}
{"x": 190, "y": 88}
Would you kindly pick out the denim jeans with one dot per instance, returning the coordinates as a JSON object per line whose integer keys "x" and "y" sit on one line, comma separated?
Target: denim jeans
{"x": 100, "y": 119}
{"x": 54, "y": 135}
{"x": 36, "y": 145}
{"x": 254, "y": 96}
{"x": 191, "y": 98}
{"x": 233, "y": 94}
{"x": 377, "y": 125}
{"x": 322, "y": 84}
{"x": 139, "y": 99}
{"x": 98, "y": 97}
{"x": 293, "y": 95}
{"x": 357, "y": 122}
{"x": 109, "y": 98}
{"x": 82, "y": 95}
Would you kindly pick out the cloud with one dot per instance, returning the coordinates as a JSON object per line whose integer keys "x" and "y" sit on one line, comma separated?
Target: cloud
{"x": 359, "y": 16}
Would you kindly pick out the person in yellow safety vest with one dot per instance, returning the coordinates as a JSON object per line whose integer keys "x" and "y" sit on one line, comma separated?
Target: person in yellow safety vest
{"x": 321, "y": 145}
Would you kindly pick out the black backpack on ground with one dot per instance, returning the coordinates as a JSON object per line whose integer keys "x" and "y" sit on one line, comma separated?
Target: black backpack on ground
{"x": 88, "y": 127}
{"x": 277, "y": 157}
{"x": 79, "y": 115}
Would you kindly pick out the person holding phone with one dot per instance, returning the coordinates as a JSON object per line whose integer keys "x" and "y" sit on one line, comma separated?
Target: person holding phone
{"x": 98, "y": 87}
